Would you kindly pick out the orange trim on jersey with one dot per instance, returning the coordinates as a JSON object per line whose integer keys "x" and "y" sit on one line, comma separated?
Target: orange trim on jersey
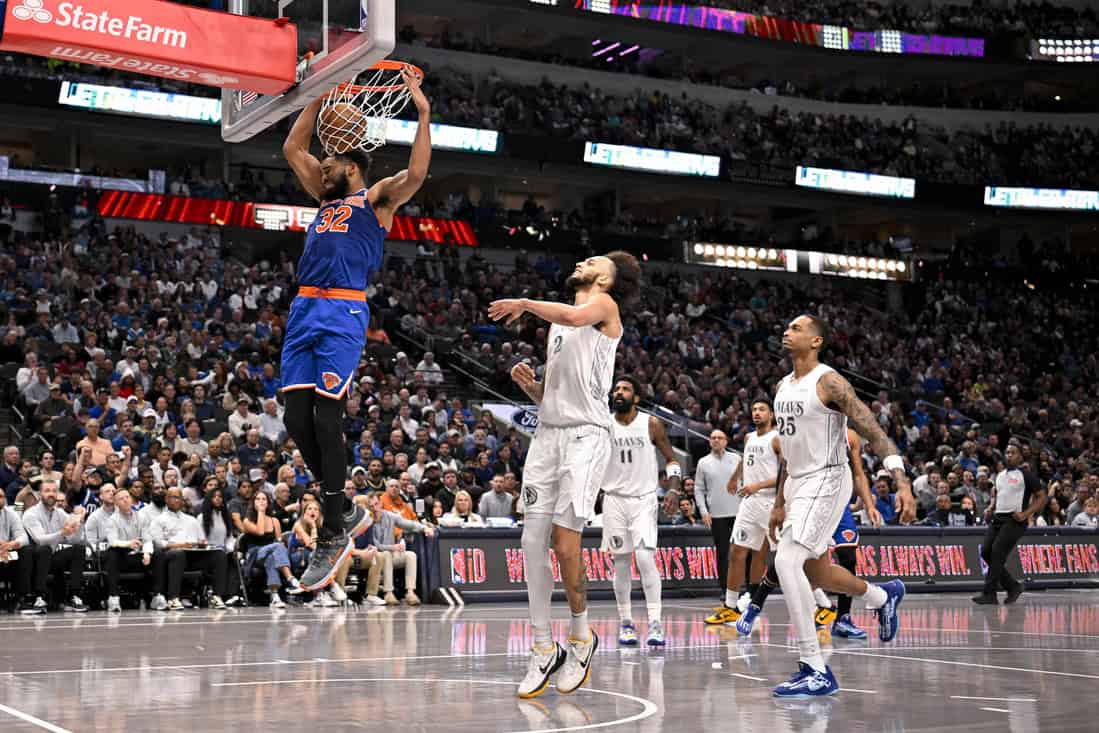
{"x": 308, "y": 291}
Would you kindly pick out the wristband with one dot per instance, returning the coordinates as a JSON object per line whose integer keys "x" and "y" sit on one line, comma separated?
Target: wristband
{"x": 674, "y": 470}
{"x": 893, "y": 463}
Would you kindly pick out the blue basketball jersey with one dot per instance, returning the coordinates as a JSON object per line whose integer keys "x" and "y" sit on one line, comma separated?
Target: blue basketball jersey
{"x": 343, "y": 246}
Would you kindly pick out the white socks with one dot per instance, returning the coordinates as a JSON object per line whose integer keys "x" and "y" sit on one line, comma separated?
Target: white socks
{"x": 875, "y": 596}
{"x": 623, "y": 572}
{"x": 650, "y": 582}
{"x": 822, "y": 598}
{"x": 730, "y": 598}
{"x": 579, "y": 629}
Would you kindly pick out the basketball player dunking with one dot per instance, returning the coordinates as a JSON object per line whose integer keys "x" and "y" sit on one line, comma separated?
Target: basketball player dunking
{"x": 568, "y": 455}
{"x": 630, "y": 505}
{"x": 812, "y": 407}
{"x": 326, "y": 330}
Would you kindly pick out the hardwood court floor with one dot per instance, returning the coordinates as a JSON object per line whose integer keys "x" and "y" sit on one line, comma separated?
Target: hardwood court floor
{"x": 1029, "y": 667}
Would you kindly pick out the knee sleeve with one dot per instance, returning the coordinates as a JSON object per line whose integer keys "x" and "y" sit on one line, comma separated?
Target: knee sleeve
{"x": 537, "y": 529}
{"x": 623, "y": 585}
{"x": 650, "y": 582}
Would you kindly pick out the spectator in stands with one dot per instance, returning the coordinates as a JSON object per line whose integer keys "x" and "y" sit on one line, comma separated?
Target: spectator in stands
{"x": 95, "y": 526}
{"x": 393, "y": 500}
{"x": 263, "y": 543}
{"x": 1083, "y": 493}
{"x": 242, "y": 420}
{"x": 1089, "y": 518}
{"x": 251, "y": 453}
{"x": 179, "y": 546}
{"x": 10, "y": 480}
{"x": 38, "y": 389}
{"x": 193, "y": 444}
{"x": 885, "y": 501}
{"x": 126, "y": 551}
{"x": 669, "y": 508}
{"x": 1052, "y": 515}
{"x": 284, "y": 508}
{"x": 97, "y": 448}
{"x": 687, "y": 512}
{"x": 16, "y": 563}
{"x": 497, "y": 502}
{"x": 272, "y": 428}
{"x": 58, "y": 539}
{"x": 428, "y": 372}
{"x": 399, "y": 556}
{"x": 462, "y": 515}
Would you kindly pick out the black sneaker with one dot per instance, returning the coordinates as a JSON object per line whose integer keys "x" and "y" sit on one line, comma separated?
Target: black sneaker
{"x": 1013, "y": 594}
{"x": 76, "y": 605}
{"x": 984, "y": 599}
{"x": 330, "y": 552}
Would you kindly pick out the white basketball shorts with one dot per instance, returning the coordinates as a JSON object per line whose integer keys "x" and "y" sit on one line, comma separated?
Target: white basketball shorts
{"x": 563, "y": 471}
{"x": 629, "y": 523}
{"x": 752, "y": 520}
{"x": 814, "y": 506}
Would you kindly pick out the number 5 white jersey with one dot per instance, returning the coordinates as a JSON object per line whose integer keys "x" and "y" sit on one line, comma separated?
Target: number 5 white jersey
{"x": 632, "y": 469}
{"x": 812, "y": 436}
{"x": 760, "y": 460}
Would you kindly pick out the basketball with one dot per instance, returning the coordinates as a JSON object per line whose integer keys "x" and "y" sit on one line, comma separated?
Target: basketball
{"x": 341, "y": 127}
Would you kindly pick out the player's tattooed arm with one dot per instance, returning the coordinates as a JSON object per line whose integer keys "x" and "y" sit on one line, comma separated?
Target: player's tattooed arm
{"x": 524, "y": 377}
{"x": 837, "y": 393}
{"x": 659, "y": 437}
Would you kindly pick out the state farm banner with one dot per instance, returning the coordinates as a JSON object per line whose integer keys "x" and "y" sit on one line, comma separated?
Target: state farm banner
{"x": 484, "y": 564}
{"x": 156, "y": 38}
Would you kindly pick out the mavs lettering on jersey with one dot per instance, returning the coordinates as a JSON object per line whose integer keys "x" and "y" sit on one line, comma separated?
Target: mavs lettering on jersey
{"x": 326, "y": 331}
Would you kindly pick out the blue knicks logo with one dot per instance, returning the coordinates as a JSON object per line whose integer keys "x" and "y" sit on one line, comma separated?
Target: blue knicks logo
{"x": 525, "y": 419}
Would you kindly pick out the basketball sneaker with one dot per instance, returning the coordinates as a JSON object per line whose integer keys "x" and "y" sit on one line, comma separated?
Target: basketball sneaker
{"x": 330, "y": 552}
{"x": 542, "y": 665}
{"x": 825, "y": 616}
{"x": 656, "y": 634}
{"x": 722, "y": 615}
{"x": 845, "y": 628}
{"x": 745, "y": 622}
{"x": 577, "y": 668}
{"x": 627, "y": 634}
{"x": 808, "y": 682}
{"x": 888, "y": 617}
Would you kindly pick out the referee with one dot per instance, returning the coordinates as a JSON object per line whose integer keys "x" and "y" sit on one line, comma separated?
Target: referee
{"x": 715, "y": 503}
{"x": 1017, "y": 497}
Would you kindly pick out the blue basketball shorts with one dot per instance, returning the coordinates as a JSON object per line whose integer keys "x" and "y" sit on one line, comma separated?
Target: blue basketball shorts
{"x": 324, "y": 342}
{"x": 847, "y": 533}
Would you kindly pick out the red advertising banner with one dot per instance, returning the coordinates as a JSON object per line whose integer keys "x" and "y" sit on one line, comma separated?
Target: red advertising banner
{"x": 272, "y": 217}
{"x": 157, "y": 38}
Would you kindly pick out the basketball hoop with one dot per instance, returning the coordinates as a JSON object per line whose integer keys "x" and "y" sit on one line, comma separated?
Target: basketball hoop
{"x": 354, "y": 114}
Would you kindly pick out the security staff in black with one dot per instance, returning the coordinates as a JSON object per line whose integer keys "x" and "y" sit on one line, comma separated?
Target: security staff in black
{"x": 1017, "y": 497}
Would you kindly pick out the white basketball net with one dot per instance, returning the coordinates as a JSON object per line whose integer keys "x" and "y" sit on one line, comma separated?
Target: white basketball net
{"x": 354, "y": 116}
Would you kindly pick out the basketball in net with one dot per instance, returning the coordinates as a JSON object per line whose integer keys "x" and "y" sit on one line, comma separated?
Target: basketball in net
{"x": 354, "y": 115}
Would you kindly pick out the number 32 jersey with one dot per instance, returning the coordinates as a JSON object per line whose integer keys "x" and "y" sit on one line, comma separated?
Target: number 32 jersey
{"x": 343, "y": 246}
{"x": 812, "y": 436}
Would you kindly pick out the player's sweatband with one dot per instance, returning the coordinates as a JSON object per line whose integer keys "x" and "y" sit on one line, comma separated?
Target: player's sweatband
{"x": 674, "y": 471}
{"x": 893, "y": 463}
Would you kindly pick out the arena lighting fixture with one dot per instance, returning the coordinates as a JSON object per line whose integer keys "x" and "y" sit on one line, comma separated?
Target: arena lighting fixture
{"x": 719, "y": 250}
{"x": 752, "y": 253}
{"x": 606, "y": 49}
{"x": 709, "y": 251}
{"x": 900, "y": 267}
{"x": 698, "y": 249}
{"x": 741, "y": 252}
{"x": 772, "y": 254}
{"x": 833, "y": 260}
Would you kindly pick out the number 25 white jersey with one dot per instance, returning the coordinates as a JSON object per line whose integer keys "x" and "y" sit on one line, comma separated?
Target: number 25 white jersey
{"x": 811, "y": 435}
{"x": 632, "y": 469}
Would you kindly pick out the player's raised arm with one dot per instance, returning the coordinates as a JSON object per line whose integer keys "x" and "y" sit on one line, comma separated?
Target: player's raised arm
{"x": 836, "y": 392}
{"x": 659, "y": 436}
{"x": 600, "y": 308}
{"x": 390, "y": 193}
{"x": 296, "y": 149}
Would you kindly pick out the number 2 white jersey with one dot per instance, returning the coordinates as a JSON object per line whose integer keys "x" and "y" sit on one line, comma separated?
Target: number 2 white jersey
{"x": 760, "y": 460}
{"x": 577, "y": 382}
{"x": 812, "y": 436}
{"x": 632, "y": 469}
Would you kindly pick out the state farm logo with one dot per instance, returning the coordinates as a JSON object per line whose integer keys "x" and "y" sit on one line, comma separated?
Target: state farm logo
{"x": 75, "y": 16}
{"x": 32, "y": 10}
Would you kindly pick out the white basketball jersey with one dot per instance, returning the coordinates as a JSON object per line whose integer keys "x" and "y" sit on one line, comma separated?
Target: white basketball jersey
{"x": 632, "y": 469}
{"x": 811, "y": 435}
{"x": 760, "y": 460}
{"x": 578, "y": 378}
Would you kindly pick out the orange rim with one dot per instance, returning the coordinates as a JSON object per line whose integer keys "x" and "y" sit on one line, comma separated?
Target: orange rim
{"x": 383, "y": 65}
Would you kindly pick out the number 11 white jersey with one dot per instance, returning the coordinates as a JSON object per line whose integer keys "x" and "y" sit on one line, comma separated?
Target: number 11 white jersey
{"x": 632, "y": 469}
{"x": 812, "y": 436}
